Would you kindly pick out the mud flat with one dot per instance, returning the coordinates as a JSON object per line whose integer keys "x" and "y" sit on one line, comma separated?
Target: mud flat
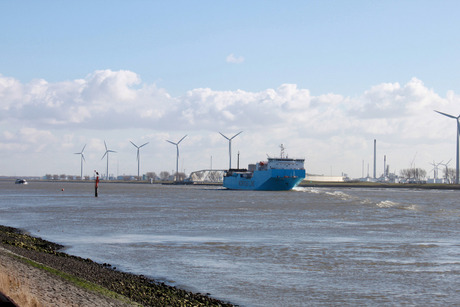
{"x": 33, "y": 272}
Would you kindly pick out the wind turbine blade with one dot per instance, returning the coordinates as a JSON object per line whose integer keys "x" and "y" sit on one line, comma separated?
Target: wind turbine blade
{"x": 445, "y": 114}
{"x": 105, "y": 145}
{"x": 104, "y": 155}
{"x": 171, "y": 142}
{"x": 83, "y": 149}
{"x": 111, "y": 150}
{"x": 236, "y": 135}
{"x": 134, "y": 145}
{"x": 224, "y": 136}
{"x": 143, "y": 145}
{"x": 83, "y": 157}
{"x": 181, "y": 139}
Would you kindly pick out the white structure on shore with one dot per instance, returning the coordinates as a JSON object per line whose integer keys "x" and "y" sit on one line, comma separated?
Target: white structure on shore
{"x": 207, "y": 176}
{"x": 321, "y": 178}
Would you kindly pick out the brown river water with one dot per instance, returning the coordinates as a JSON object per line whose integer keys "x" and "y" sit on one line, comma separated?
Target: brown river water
{"x": 309, "y": 246}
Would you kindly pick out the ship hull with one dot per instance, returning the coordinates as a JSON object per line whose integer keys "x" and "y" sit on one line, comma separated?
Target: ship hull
{"x": 269, "y": 180}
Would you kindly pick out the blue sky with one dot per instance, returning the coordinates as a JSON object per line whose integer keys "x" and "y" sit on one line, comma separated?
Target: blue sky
{"x": 327, "y": 46}
{"x": 323, "y": 77}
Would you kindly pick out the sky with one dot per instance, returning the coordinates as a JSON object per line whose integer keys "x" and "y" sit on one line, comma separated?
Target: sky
{"x": 323, "y": 78}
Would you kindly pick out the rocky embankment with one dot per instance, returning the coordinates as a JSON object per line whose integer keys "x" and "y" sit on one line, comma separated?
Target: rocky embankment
{"x": 33, "y": 272}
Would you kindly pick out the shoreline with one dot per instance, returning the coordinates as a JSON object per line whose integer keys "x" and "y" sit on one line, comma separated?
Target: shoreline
{"x": 379, "y": 185}
{"x": 304, "y": 184}
{"x": 34, "y": 272}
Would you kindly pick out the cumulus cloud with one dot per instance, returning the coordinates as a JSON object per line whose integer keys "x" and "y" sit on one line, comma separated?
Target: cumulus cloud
{"x": 389, "y": 100}
{"x": 118, "y": 100}
{"x": 103, "y": 99}
{"x": 32, "y": 139}
{"x": 108, "y": 99}
{"x": 231, "y": 58}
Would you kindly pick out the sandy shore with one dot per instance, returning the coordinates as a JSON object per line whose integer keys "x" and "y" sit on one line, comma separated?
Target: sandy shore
{"x": 34, "y": 273}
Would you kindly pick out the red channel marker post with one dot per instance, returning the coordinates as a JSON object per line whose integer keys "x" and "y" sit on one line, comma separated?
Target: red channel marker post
{"x": 96, "y": 184}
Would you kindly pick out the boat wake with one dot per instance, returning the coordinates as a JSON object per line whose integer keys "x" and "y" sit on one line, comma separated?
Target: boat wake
{"x": 356, "y": 199}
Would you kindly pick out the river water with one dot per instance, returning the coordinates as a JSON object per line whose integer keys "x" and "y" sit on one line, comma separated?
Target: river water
{"x": 309, "y": 246}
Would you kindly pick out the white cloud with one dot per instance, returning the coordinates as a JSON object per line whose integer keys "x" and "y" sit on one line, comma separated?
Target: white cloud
{"x": 393, "y": 100}
{"x": 108, "y": 100}
{"x": 231, "y": 58}
{"x": 110, "y": 104}
{"x": 30, "y": 139}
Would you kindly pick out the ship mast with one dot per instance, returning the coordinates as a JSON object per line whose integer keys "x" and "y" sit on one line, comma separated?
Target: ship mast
{"x": 282, "y": 151}
{"x": 238, "y": 163}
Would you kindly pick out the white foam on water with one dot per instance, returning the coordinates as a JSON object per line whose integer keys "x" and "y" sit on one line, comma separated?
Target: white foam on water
{"x": 392, "y": 204}
{"x": 307, "y": 190}
{"x": 366, "y": 201}
{"x": 312, "y": 190}
{"x": 410, "y": 207}
{"x": 340, "y": 194}
{"x": 387, "y": 204}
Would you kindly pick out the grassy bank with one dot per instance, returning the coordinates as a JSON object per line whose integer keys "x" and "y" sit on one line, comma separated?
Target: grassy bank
{"x": 100, "y": 278}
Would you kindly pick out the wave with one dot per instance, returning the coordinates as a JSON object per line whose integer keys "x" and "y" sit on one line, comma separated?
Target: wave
{"x": 341, "y": 195}
{"x": 392, "y": 204}
{"x": 387, "y": 204}
{"x": 324, "y": 191}
{"x": 307, "y": 190}
{"x": 348, "y": 197}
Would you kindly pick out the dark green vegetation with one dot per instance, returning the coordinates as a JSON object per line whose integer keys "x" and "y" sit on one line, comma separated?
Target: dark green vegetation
{"x": 97, "y": 277}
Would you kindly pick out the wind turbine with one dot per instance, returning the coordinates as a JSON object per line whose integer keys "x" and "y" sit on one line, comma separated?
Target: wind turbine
{"x": 138, "y": 156}
{"x": 230, "y": 147}
{"x": 82, "y": 158}
{"x": 177, "y": 156}
{"x": 107, "y": 154}
{"x": 447, "y": 169}
{"x": 435, "y": 169}
{"x": 458, "y": 136}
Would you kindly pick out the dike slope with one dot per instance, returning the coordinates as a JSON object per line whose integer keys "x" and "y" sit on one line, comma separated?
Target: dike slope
{"x": 34, "y": 273}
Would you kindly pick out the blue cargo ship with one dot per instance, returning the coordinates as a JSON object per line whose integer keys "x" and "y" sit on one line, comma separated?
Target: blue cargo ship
{"x": 276, "y": 174}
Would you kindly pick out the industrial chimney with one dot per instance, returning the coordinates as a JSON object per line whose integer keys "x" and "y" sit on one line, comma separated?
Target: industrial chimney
{"x": 384, "y": 166}
{"x": 375, "y": 157}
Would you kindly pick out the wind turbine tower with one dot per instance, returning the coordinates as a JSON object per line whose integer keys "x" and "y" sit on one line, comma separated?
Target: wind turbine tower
{"x": 230, "y": 147}
{"x": 138, "y": 157}
{"x": 177, "y": 156}
{"x": 436, "y": 169}
{"x": 107, "y": 151}
{"x": 458, "y": 136}
{"x": 82, "y": 158}
{"x": 447, "y": 170}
